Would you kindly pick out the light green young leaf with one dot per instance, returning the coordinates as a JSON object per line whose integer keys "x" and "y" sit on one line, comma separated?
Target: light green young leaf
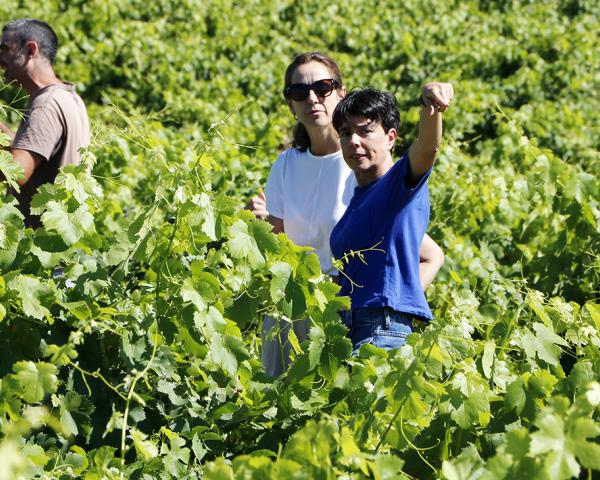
{"x": 472, "y": 411}
{"x": 70, "y": 226}
{"x": 387, "y": 467}
{"x": 9, "y": 236}
{"x": 35, "y": 454}
{"x": 218, "y": 470}
{"x": 487, "y": 359}
{"x": 190, "y": 294}
{"x": 79, "y": 183}
{"x": 77, "y": 459}
{"x": 466, "y": 466}
{"x": 547, "y": 345}
{"x": 243, "y": 246}
{"x": 144, "y": 448}
{"x": 34, "y": 296}
{"x": 228, "y": 351}
{"x": 11, "y": 170}
{"x": 35, "y": 379}
{"x": 281, "y": 274}
{"x": 550, "y": 439}
{"x": 317, "y": 342}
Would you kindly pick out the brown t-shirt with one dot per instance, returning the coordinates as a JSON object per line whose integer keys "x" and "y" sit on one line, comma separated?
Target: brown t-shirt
{"x": 55, "y": 126}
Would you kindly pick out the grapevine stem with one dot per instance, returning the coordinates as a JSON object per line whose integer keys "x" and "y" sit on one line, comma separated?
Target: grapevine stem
{"x": 143, "y": 373}
{"x": 130, "y": 396}
{"x": 401, "y": 406}
{"x": 413, "y": 446}
{"x": 96, "y": 374}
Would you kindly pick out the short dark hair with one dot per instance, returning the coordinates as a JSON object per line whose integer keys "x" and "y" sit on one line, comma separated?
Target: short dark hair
{"x": 24, "y": 30}
{"x": 376, "y": 105}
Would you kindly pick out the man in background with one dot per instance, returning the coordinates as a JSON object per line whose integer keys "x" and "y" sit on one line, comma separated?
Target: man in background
{"x": 55, "y": 125}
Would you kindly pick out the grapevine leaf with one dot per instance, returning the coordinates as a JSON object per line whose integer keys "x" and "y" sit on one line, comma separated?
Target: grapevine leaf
{"x": 35, "y": 454}
{"x": 466, "y": 465}
{"x": 10, "y": 169}
{"x": 471, "y": 410}
{"x": 487, "y": 359}
{"x": 35, "y": 379}
{"x": 9, "y": 236}
{"x": 547, "y": 345}
{"x": 201, "y": 213}
{"x": 550, "y": 439}
{"x": 80, "y": 310}
{"x": 177, "y": 456}
{"x": 242, "y": 245}
{"x": 34, "y": 294}
{"x": 227, "y": 351}
{"x": 588, "y": 453}
{"x": 199, "y": 293}
{"x": 144, "y": 448}
{"x": 264, "y": 238}
{"x": 71, "y": 226}
{"x": 281, "y": 274}
{"x": 387, "y": 467}
{"x": 317, "y": 342}
{"x": 77, "y": 460}
{"x": 218, "y": 470}
{"x": 198, "y": 448}
{"x": 210, "y": 321}
{"x": 79, "y": 183}
{"x": 49, "y": 242}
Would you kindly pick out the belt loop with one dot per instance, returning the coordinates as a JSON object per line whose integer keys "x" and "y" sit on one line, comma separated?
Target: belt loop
{"x": 386, "y": 316}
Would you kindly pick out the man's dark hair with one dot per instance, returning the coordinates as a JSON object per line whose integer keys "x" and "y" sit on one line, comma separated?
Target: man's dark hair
{"x": 24, "y": 30}
{"x": 376, "y": 105}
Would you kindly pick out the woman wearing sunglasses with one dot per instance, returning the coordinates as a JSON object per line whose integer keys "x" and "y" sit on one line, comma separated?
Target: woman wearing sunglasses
{"x": 310, "y": 186}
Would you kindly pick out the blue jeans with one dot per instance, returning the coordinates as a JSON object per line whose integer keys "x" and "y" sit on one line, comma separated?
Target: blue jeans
{"x": 383, "y": 327}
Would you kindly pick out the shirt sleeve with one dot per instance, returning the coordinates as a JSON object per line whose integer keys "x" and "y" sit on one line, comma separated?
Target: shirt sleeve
{"x": 40, "y": 132}
{"x": 275, "y": 187}
{"x": 400, "y": 192}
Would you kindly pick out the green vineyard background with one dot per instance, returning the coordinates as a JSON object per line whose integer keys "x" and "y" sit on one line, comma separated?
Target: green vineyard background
{"x": 129, "y": 323}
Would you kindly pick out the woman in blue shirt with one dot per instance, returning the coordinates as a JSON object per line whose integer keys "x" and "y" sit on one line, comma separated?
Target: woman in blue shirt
{"x": 388, "y": 214}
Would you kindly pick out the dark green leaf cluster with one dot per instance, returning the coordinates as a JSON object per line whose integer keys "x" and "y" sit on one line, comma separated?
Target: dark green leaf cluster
{"x": 130, "y": 322}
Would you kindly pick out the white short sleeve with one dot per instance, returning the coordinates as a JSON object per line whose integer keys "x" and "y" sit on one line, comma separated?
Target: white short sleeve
{"x": 274, "y": 189}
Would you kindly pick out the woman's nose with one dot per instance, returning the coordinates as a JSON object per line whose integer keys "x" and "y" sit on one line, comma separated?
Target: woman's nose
{"x": 354, "y": 140}
{"x": 312, "y": 97}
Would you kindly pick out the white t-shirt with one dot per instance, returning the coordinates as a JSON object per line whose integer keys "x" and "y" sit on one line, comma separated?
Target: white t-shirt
{"x": 310, "y": 194}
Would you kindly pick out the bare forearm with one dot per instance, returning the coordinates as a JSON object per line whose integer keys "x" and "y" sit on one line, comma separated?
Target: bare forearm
{"x": 435, "y": 99}
{"x": 7, "y": 131}
{"x": 427, "y": 143}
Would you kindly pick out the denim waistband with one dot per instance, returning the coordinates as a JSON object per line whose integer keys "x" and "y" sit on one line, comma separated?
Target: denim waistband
{"x": 384, "y": 315}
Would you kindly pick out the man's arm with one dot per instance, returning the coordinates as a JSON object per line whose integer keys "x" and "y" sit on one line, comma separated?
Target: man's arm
{"x": 435, "y": 99}
{"x": 431, "y": 259}
{"x": 7, "y": 131}
{"x": 28, "y": 160}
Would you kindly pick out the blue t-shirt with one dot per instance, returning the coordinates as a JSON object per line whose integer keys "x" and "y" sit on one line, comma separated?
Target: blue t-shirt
{"x": 389, "y": 213}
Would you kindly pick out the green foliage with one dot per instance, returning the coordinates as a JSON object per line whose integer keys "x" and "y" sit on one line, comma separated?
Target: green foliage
{"x": 129, "y": 322}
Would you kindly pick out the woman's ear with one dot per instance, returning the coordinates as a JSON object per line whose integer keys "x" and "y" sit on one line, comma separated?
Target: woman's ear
{"x": 342, "y": 91}
{"x": 392, "y": 134}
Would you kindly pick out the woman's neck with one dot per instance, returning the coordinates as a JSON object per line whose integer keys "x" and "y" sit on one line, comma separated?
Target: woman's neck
{"x": 323, "y": 142}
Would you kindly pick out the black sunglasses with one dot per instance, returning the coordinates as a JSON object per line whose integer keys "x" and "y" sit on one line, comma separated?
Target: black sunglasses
{"x": 300, "y": 91}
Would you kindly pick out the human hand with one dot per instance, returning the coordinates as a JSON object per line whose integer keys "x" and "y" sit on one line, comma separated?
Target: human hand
{"x": 258, "y": 206}
{"x": 436, "y": 96}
